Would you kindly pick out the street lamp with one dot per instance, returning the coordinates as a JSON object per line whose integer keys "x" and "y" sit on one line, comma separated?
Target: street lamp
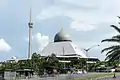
{"x": 86, "y": 50}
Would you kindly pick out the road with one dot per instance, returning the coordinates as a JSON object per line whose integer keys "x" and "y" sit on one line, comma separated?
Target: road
{"x": 110, "y": 78}
{"x": 65, "y": 76}
{"x": 72, "y": 77}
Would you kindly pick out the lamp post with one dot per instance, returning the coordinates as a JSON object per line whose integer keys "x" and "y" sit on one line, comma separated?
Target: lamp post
{"x": 86, "y": 50}
{"x": 90, "y": 48}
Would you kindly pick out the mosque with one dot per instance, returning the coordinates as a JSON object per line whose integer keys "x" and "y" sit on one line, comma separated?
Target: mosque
{"x": 63, "y": 47}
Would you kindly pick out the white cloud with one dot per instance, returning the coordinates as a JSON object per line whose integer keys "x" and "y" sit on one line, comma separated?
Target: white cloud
{"x": 49, "y": 12}
{"x": 4, "y": 46}
{"x": 90, "y": 12}
{"x": 86, "y": 15}
{"x": 80, "y": 26}
{"x": 41, "y": 40}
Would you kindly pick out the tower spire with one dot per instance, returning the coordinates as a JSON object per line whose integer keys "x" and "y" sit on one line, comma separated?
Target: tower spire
{"x": 30, "y": 25}
{"x": 30, "y": 15}
{"x": 30, "y": 21}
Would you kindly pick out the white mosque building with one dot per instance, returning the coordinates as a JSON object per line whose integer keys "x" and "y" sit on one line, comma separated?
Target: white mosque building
{"x": 63, "y": 47}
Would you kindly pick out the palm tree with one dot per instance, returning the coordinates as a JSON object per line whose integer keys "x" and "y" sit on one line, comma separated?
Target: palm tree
{"x": 113, "y": 51}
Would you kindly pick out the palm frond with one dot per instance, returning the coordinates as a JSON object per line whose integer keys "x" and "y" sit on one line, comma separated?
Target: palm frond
{"x": 113, "y": 56}
{"x": 110, "y": 40}
{"x": 111, "y": 51}
{"x": 116, "y": 28}
{"x": 118, "y": 17}
{"x": 106, "y": 49}
{"x": 116, "y": 37}
{"x": 112, "y": 59}
{"x": 111, "y": 48}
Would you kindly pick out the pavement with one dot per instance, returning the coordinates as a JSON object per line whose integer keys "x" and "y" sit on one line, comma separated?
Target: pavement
{"x": 110, "y": 78}
{"x": 72, "y": 77}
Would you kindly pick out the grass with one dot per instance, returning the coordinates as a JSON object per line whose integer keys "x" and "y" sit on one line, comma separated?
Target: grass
{"x": 93, "y": 77}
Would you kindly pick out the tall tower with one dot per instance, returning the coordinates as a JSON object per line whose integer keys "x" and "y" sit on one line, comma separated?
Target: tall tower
{"x": 30, "y": 25}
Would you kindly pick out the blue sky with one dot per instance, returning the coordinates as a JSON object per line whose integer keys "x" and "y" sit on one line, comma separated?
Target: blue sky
{"x": 86, "y": 21}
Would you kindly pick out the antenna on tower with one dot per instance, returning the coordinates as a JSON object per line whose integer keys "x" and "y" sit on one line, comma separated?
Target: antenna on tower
{"x": 30, "y": 15}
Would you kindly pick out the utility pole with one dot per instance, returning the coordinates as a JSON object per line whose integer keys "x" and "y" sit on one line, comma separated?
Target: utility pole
{"x": 30, "y": 25}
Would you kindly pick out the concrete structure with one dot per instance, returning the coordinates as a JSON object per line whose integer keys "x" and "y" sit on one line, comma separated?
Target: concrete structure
{"x": 65, "y": 50}
{"x": 63, "y": 46}
{"x": 9, "y": 75}
{"x": 30, "y": 24}
{"x": 14, "y": 59}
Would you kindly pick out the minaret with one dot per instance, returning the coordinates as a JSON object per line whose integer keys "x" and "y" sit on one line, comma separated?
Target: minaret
{"x": 30, "y": 24}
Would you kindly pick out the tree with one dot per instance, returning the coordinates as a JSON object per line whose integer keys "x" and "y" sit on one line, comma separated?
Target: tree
{"x": 52, "y": 60}
{"x": 113, "y": 51}
{"x": 37, "y": 63}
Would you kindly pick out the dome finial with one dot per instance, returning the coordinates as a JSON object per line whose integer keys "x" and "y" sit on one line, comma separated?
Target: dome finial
{"x": 61, "y": 29}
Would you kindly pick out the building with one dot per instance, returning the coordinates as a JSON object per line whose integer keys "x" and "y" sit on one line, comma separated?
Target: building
{"x": 65, "y": 49}
{"x": 63, "y": 46}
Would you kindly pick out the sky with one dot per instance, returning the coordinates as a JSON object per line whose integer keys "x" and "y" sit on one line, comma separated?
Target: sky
{"x": 86, "y": 21}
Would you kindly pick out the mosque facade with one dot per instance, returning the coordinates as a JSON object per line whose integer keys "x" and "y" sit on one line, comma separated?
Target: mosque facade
{"x": 63, "y": 46}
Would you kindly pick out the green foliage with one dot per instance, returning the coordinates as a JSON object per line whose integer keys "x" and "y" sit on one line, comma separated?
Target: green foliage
{"x": 2, "y": 68}
{"x": 113, "y": 52}
{"x": 37, "y": 63}
{"x": 52, "y": 61}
